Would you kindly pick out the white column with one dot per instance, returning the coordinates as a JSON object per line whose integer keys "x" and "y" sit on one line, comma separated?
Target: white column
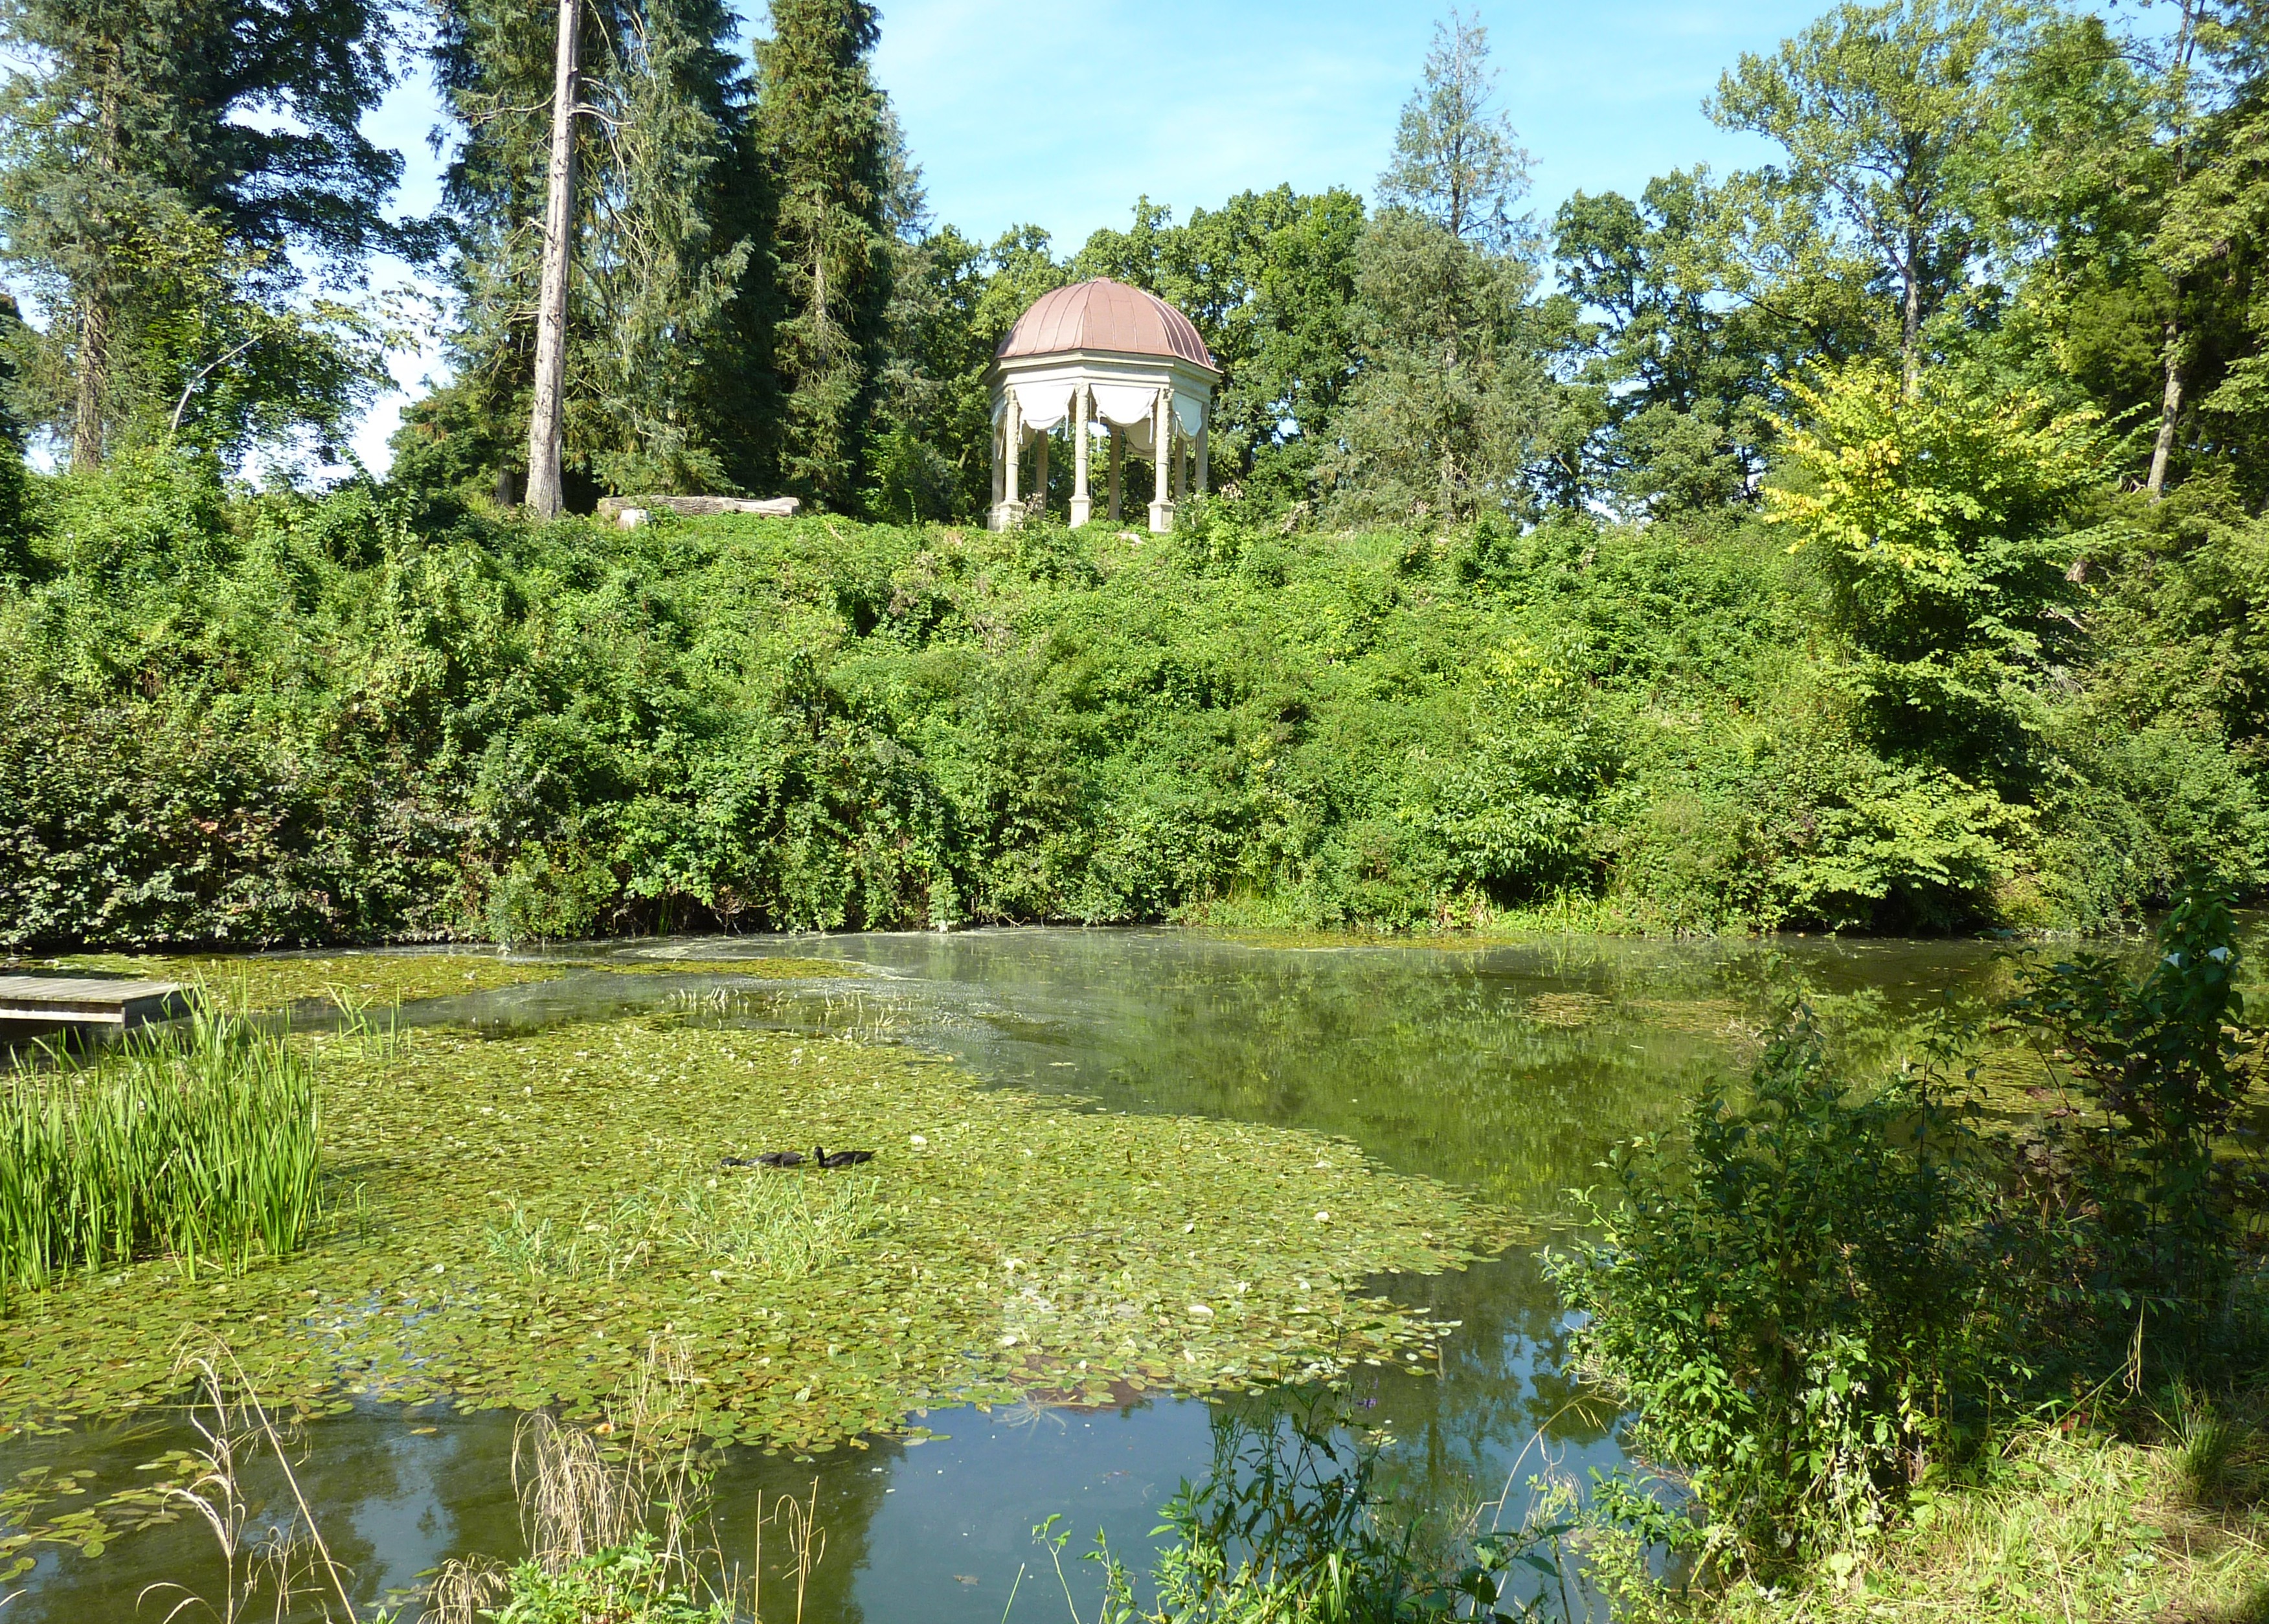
{"x": 1181, "y": 466}
{"x": 1162, "y": 454}
{"x": 1000, "y": 439}
{"x": 1012, "y": 432}
{"x": 1117, "y": 444}
{"x": 1082, "y": 509}
{"x": 1204, "y": 427}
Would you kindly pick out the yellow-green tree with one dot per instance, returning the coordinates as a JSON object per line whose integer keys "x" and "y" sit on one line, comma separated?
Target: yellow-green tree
{"x": 1944, "y": 525}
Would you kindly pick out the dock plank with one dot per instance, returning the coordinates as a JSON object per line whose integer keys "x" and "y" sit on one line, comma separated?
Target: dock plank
{"x": 89, "y": 1000}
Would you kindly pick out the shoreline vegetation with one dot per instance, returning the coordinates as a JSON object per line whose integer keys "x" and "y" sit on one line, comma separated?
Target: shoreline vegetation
{"x": 515, "y": 1221}
{"x": 513, "y": 733}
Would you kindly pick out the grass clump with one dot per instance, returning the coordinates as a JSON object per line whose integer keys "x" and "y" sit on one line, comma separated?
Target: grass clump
{"x": 785, "y": 1226}
{"x": 2067, "y": 1524}
{"x": 200, "y": 1144}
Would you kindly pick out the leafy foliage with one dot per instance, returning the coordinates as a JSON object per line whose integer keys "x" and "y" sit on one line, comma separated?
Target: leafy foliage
{"x": 1826, "y": 1298}
{"x": 2165, "y": 1064}
{"x": 243, "y": 720}
{"x": 1943, "y": 523}
{"x": 1787, "y": 1301}
{"x": 127, "y": 125}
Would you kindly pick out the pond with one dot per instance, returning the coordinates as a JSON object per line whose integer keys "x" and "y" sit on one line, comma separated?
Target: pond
{"x": 1505, "y": 1070}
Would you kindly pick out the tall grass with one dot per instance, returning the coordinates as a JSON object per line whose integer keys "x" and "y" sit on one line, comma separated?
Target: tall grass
{"x": 196, "y": 1142}
{"x": 787, "y": 1225}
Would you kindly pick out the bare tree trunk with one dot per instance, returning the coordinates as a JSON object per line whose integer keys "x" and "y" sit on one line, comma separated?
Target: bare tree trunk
{"x": 2171, "y": 404}
{"x": 2170, "y": 408}
{"x": 92, "y": 380}
{"x": 1911, "y": 323}
{"x": 543, "y": 425}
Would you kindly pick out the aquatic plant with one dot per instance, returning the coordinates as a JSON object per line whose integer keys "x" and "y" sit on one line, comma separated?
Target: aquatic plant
{"x": 783, "y": 1225}
{"x": 289, "y": 1566}
{"x": 618, "y": 1530}
{"x": 602, "y": 1244}
{"x": 240, "y": 984}
{"x": 199, "y": 1143}
{"x": 1033, "y": 1243}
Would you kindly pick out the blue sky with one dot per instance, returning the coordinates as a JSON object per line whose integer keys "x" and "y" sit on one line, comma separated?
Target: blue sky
{"x": 1061, "y": 116}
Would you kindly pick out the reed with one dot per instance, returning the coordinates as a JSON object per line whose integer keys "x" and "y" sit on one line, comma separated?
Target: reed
{"x": 196, "y": 1142}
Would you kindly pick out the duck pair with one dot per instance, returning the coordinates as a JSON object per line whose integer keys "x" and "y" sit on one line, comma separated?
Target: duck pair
{"x": 820, "y": 1157}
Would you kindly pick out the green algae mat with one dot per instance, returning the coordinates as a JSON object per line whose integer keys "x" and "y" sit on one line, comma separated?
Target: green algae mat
{"x": 241, "y": 984}
{"x": 515, "y": 1222}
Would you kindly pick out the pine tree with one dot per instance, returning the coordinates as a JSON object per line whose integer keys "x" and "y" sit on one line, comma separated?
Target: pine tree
{"x": 132, "y": 121}
{"x": 823, "y": 129}
{"x": 1457, "y": 161}
{"x": 1453, "y": 410}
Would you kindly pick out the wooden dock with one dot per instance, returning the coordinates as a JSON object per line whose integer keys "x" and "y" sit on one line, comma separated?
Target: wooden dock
{"x": 89, "y": 1000}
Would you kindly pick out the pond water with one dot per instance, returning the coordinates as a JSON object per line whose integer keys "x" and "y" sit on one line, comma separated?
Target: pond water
{"x": 1508, "y": 1069}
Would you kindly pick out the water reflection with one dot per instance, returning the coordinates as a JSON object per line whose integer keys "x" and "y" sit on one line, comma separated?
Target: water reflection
{"x": 1508, "y": 1069}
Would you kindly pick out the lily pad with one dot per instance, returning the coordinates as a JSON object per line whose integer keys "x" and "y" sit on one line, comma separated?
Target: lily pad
{"x": 757, "y": 969}
{"x": 1005, "y": 1245}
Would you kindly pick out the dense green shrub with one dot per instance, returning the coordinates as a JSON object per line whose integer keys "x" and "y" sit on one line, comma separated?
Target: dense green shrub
{"x": 245, "y": 719}
{"x": 1823, "y": 1297}
{"x": 1791, "y": 1301}
{"x": 2163, "y": 1064}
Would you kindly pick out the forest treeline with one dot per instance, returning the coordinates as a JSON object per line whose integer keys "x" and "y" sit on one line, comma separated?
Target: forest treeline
{"x": 1869, "y": 540}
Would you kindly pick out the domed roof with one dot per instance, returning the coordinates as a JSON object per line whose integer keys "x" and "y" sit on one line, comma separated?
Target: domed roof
{"x": 1104, "y": 314}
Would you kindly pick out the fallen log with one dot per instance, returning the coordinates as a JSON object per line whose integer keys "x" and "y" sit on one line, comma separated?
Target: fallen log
{"x": 629, "y": 511}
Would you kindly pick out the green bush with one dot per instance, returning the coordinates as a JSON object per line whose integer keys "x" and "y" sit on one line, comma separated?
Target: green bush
{"x": 1790, "y": 1301}
{"x": 2163, "y": 1065}
{"x": 262, "y": 719}
{"x": 1823, "y": 1297}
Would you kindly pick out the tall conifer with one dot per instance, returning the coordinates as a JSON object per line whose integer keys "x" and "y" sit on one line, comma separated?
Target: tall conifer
{"x": 824, "y": 131}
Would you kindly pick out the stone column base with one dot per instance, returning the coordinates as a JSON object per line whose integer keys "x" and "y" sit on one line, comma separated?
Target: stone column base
{"x": 1162, "y": 518}
{"x": 1005, "y": 516}
{"x": 1082, "y": 509}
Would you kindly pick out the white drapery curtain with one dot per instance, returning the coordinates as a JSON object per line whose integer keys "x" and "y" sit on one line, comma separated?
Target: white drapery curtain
{"x": 1132, "y": 407}
{"x": 1125, "y": 404}
{"x": 1044, "y": 405}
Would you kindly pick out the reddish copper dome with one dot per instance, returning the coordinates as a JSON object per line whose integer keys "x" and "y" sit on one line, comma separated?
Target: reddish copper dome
{"x": 1104, "y": 314}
